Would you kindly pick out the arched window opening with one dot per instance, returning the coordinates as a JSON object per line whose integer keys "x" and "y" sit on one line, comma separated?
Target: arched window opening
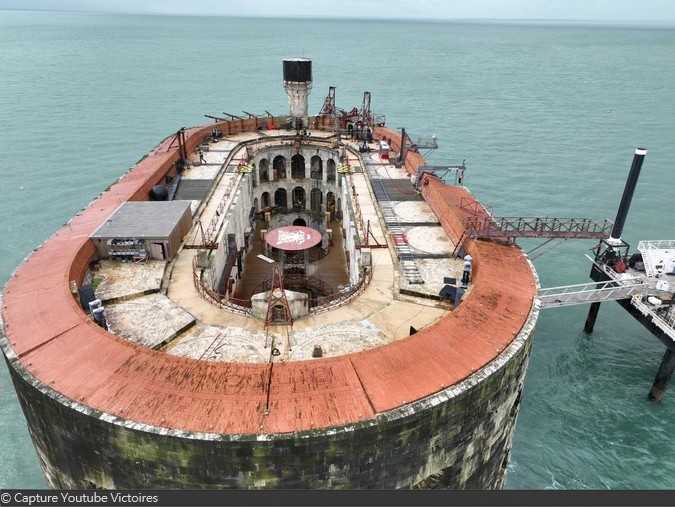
{"x": 279, "y": 166}
{"x": 330, "y": 171}
{"x": 280, "y": 199}
{"x": 298, "y": 166}
{"x": 316, "y": 168}
{"x": 264, "y": 170}
{"x": 299, "y": 198}
{"x": 330, "y": 204}
{"x": 316, "y": 199}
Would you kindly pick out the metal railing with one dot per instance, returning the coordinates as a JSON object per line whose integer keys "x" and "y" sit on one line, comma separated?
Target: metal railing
{"x": 213, "y": 224}
{"x": 243, "y": 306}
{"x": 339, "y": 299}
{"x": 668, "y": 327}
{"x": 240, "y": 306}
{"x": 651, "y": 251}
{"x": 475, "y": 207}
{"x": 358, "y": 215}
{"x": 299, "y": 283}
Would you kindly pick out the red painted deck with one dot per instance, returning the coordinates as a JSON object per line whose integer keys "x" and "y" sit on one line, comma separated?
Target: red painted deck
{"x": 58, "y": 344}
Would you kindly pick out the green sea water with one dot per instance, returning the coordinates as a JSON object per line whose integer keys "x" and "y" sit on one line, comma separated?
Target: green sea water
{"x": 546, "y": 115}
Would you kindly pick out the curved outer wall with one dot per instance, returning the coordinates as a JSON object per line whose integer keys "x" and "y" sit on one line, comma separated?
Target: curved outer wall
{"x": 462, "y": 443}
{"x": 455, "y": 437}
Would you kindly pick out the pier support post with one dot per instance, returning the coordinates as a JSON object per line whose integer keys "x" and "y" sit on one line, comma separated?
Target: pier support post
{"x": 663, "y": 376}
{"x": 592, "y": 315}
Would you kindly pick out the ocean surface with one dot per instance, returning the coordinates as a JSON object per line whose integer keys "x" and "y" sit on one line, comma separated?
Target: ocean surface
{"x": 547, "y": 116}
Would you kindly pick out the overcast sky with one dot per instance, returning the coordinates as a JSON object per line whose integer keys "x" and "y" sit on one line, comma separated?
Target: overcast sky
{"x": 600, "y": 10}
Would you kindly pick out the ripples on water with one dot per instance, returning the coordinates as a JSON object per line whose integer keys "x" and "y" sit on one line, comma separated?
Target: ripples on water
{"x": 547, "y": 117}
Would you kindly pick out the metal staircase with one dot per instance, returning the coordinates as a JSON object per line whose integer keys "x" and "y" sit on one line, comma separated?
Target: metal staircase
{"x": 649, "y": 249}
{"x": 404, "y": 252}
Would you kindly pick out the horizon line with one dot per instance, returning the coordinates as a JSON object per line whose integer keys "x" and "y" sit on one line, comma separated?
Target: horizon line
{"x": 365, "y": 18}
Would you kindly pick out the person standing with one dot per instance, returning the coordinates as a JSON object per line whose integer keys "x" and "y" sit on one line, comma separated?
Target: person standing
{"x": 201, "y": 156}
{"x": 468, "y": 264}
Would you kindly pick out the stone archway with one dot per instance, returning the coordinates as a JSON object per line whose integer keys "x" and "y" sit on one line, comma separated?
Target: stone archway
{"x": 315, "y": 199}
{"x": 264, "y": 167}
{"x": 298, "y": 166}
{"x": 331, "y": 171}
{"x": 281, "y": 199}
{"x": 254, "y": 176}
{"x": 299, "y": 198}
{"x": 330, "y": 204}
{"x": 316, "y": 168}
{"x": 279, "y": 166}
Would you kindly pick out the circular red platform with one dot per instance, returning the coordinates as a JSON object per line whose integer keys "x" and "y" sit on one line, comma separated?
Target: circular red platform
{"x": 293, "y": 237}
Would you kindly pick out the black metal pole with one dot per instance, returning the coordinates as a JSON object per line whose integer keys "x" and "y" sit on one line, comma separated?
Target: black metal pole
{"x": 628, "y": 191}
{"x": 663, "y": 376}
{"x": 619, "y": 222}
{"x": 592, "y": 316}
{"x": 403, "y": 150}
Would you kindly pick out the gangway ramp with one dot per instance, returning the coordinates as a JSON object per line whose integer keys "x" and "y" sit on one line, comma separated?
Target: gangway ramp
{"x": 594, "y": 292}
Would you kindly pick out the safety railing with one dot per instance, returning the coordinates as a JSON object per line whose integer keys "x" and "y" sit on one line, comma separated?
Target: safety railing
{"x": 475, "y": 207}
{"x": 240, "y": 306}
{"x": 339, "y": 299}
{"x": 213, "y": 224}
{"x": 667, "y": 326}
{"x": 298, "y": 282}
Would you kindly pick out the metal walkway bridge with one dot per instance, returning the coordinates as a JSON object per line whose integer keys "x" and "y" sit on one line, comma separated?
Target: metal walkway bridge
{"x": 594, "y": 292}
{"x": 537, "y": 227}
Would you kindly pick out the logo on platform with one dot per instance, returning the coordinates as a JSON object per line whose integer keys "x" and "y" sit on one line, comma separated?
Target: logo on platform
{"x": 295, "y": 237}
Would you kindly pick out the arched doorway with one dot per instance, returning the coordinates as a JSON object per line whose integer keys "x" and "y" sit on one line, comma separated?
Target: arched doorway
{"x": 316, "y": 168}
{"x": 330, "y": 204}
{"x": 265, "y": 198}
{"x": 264, "y": 170}
{"x": 254, "y": 176}
{"x": 279, "y": 166}
{"x": 300, "y": 222}
{"x": 299, "y": 198}
{"x": 298, "y": 166}
{"x": 330, "y": 171}
{"x": 315, "y": 199}
{"x": 255, "y": 205}
{"x": 280, "y": 199}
